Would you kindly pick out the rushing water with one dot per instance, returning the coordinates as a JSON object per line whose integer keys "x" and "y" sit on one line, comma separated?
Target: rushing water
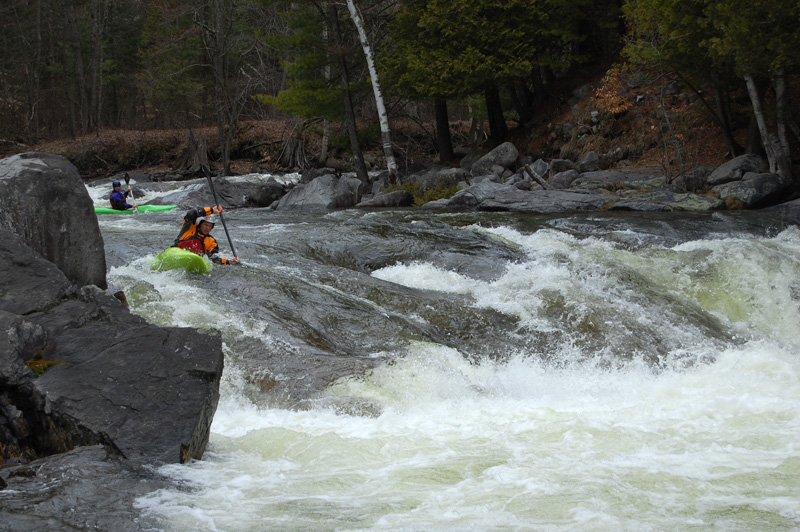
{"x": 428, "y": 371}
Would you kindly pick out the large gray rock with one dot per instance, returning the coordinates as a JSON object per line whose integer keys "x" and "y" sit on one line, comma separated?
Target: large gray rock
{"x": 91, "y": 396}
{"x": 438, "y": 177}
{"x": 88, "y": 488}
{"x": 753, "y": 190}
{"x": 149, "y": 393}
{"x": 735, "y": 169}
{"x": 43, "y": 200}
{"x": 590, "y": 162}
{"x": 324, "y": 192}
{"x": 496, "y": 161}
{"x": 563, "y": 179}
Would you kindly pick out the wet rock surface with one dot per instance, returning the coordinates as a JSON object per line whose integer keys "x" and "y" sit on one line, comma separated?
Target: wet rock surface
{"x": 91, "y": 396}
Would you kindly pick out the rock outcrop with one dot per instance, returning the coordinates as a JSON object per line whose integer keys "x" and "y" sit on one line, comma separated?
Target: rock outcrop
{"x": 327, "y": 191}
{"x": 77, "y": 369}
{"x": 43, "y": 199}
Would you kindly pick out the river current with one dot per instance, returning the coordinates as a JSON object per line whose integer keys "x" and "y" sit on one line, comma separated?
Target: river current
{"x": 421, "y": 370}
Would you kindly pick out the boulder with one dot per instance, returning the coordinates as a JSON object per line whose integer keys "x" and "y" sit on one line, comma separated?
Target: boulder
{"x": 108, "y": 377}
{"x": 665, "y": 200}
{"x": 563, "y": 179}
{"x": 540, "y": 168}
{"x": 397, "y": 198}
{"x": 324, "y": 192}
{"x": 496, "y": 161}
{"x": 562, "y": 165}
{"x": 694, "y": 180}
{"x": 438, "y": 177}
{"x": 44, "y": 201}
{"x": 735, "y": 169}
{"x": 753, "y": 190}
{"x": 590, "y": 162}
{"x": 91, "y": 396}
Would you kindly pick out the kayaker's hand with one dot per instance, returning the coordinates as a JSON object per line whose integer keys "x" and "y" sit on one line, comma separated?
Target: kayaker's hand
{"x": 216, "y": 209}
{"x": 235, "y": 261}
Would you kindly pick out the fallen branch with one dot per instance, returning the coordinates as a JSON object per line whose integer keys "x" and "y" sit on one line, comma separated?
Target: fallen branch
{"x": 537, "y": 178}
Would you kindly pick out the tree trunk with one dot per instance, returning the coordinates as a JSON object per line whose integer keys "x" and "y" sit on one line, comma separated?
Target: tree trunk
{"x": 80, "y": 77}
{"x": 383, "y": 117}
{"x": 323, "y": 152}
{"x": 32, "y": 70}
{"x": 724, "y": 119}
{"x": 753, "y": 143}
{"x": 778, "y": 159}
{"x": 498, "y": 130}
{"x": 671, "y": 138}
{"x": 350, "y": 117}
{"x": 293, "y": 155}
{"x": 220, "y": 62}
{"x": 443, "y": 139}
{"x": 782, "y": 109}
{"x": 522, "y": 98}
{"x": 195, "y": 158}
{"x": 96, "y": 63}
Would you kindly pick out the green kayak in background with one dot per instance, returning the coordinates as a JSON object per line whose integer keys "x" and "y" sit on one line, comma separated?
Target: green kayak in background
{"x": 175, "y": 258}
{"x": 140, "y": 208}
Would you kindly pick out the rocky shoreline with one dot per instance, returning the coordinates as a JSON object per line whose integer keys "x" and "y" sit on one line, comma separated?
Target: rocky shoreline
{"x": 500, "y": 180}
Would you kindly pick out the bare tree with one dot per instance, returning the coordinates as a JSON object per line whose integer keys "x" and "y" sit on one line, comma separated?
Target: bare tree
{"x": 232, "y": 86}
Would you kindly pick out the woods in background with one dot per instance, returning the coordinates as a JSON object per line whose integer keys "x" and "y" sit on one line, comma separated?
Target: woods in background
{"x": 73, "y": 67}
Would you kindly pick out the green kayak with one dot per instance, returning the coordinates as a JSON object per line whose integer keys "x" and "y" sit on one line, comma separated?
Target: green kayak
{"x": 174, "y": 258}
{"x": 140, "y": 208}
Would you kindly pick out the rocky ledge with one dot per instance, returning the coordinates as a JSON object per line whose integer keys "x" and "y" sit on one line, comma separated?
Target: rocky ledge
{"x": 91, "y": 396}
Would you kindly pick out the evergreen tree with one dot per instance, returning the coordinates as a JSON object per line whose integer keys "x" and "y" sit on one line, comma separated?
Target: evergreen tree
{"x": 317, "y": 63}
{"x": 446, "y": 49}
{"x": 715, "y": 41}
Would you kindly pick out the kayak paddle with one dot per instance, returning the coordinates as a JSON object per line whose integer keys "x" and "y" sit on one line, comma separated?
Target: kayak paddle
{"x": 216, "y": 202}
{"x": 128, "y": 182}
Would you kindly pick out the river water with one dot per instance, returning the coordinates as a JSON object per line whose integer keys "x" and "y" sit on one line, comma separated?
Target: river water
{"x": 415, "y": 370}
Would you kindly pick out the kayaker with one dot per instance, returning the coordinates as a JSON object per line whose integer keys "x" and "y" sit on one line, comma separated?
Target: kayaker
{"x": 194, "y": 235}
{"x": 118, "y": 197}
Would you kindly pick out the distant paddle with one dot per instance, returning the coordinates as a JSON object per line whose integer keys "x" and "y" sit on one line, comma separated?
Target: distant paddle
{"x": 216, "y": 202}
{"x": 128, "y": 182}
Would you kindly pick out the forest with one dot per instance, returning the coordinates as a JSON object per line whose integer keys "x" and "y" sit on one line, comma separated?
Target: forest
{"x": 351, "y": 71}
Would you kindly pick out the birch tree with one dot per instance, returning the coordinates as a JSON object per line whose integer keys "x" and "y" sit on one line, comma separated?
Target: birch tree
{"x": 762, "y": 42}
{"x": 383, "y": 117}
{"x": 344, "y": 77}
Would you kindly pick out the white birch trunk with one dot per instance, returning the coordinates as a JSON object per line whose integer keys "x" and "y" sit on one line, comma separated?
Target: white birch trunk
{"x": 376, "y": 88}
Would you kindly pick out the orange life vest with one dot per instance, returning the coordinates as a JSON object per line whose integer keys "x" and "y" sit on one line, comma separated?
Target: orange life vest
{"x": 193, "y": 244}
